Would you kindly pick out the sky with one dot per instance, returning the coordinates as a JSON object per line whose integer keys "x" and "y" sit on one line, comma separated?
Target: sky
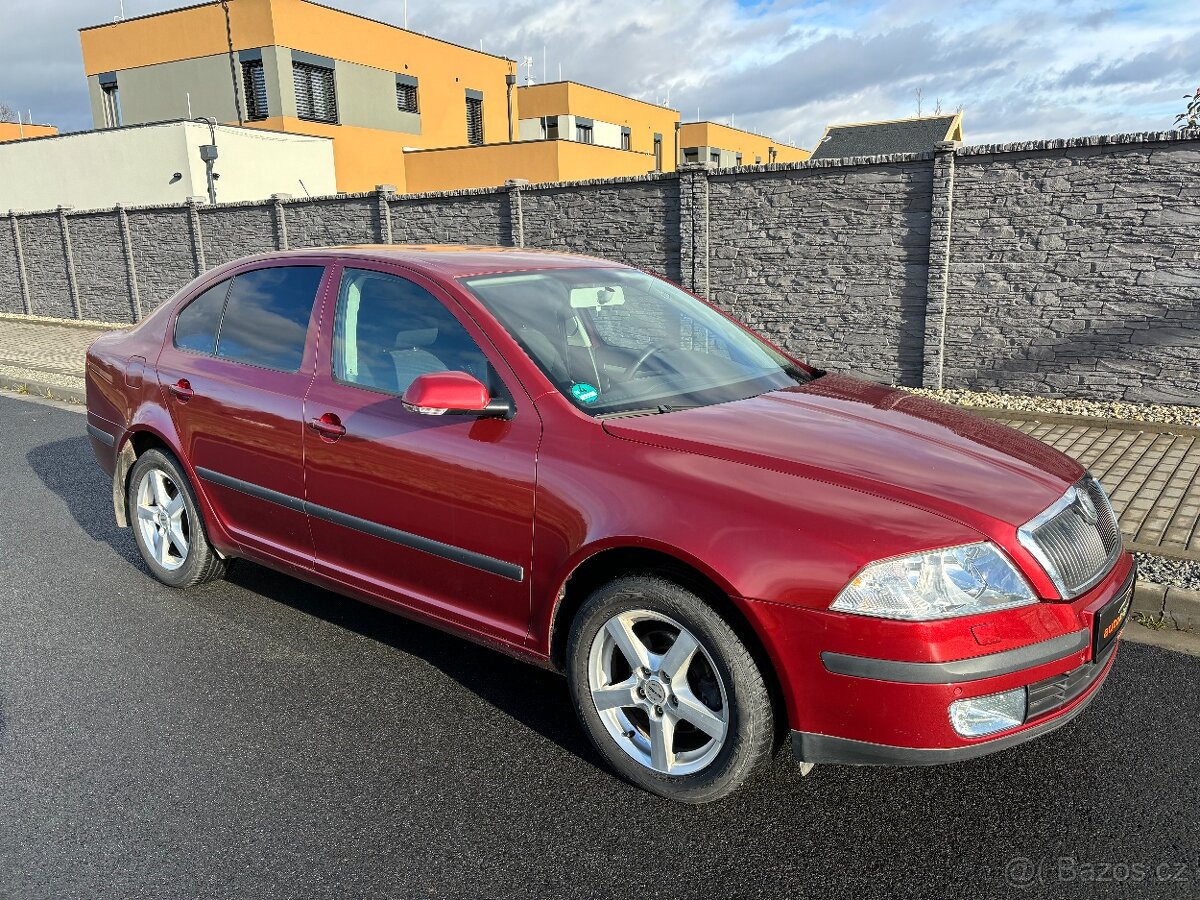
{"x": 1020, "y": 69}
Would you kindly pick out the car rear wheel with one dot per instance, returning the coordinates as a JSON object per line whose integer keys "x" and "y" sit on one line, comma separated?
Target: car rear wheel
{"x": 166, "y": 523}
{"x": 667, "y": 692}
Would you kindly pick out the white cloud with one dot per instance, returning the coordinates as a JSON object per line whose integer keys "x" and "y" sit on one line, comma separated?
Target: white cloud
{"x": 1021, "y": 68}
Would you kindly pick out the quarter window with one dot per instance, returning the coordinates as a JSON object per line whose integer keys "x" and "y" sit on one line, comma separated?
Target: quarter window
{"x": 198, "y": 323}
{"x": 316, "y": 98}
{"x": 266, "y": 317}
{"x": 389, "y": 330}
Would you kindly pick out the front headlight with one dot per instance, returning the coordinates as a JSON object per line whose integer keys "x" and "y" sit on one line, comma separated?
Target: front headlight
{"x": 938, "y": 584}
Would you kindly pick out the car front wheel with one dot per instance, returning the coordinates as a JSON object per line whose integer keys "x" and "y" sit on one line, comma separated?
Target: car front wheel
{"x": 166, "y": 523}
{"x": 667, "y": 692}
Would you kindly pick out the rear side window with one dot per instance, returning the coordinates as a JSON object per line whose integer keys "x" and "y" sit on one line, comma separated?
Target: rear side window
{"x": 197, "y": 325}
{"x": 267, "y": 315}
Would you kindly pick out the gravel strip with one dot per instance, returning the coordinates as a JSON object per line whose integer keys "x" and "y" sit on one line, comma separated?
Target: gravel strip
{"x": 1104, "y": 409}
{"x": 1180, "y": 573}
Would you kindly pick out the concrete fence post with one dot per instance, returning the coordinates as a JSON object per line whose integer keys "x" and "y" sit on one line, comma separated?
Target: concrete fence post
{"x": 135, "y": 297}
{"x": 383, "y": 208}
{"x": 64, "y": 229}
{"x": 198, "y": 263}
{"x": 693, "y": 227}
{"x": 279, "y": 216}
{"x": 516, "y": 210}
{"x": 19, "y": 252}
{"x": 941, "y": 217}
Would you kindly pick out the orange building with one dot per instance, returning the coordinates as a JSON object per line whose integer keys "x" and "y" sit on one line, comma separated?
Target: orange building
{"x": 724, "y": 145}
{"x": 298, "y": 66}
{"x": 18, "y": 131}
{"x": 401, "y": 108}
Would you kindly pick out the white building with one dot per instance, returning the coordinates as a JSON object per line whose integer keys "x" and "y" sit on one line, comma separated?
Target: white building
{"x": 148, "y": 165}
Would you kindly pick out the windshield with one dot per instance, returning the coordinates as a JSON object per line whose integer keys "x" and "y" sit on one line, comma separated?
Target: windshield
{"x": 620, "y": 341}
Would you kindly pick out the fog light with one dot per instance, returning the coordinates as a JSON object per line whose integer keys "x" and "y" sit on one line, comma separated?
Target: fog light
{"x": 979, "y": 716}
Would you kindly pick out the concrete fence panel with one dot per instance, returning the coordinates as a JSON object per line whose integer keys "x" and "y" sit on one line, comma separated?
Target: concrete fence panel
{"x": 832, "y": 262}
{"x": 100, "y": 267}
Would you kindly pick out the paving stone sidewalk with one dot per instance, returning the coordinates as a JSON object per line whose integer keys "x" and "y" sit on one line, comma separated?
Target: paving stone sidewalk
{"x": 1152, "y": 472}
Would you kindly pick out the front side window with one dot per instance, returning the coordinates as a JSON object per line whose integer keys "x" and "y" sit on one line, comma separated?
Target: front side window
{"x": 619, "y": 341}
{"x": 267, "y": 315}
{"x": 316, "y": 97}
{"x": 388, "y": 331}
{"x": 197, "y": 325}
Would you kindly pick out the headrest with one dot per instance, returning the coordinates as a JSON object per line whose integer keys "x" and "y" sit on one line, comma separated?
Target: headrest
{"x": 416, "y": 337}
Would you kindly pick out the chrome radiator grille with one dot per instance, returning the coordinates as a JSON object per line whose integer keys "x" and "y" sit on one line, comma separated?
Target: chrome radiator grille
{"x": 1077, "y": 539}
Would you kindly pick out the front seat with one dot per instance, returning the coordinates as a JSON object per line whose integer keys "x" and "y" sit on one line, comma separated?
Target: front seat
{"x": 410, "y": 357}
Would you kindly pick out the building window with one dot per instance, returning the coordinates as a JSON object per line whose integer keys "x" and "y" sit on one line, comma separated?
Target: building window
{"x": 110, "y": 100}
{"x": 758, "y": 160}
{"x": 737, "y": 160}
{"x": 691, "y": 155}
{"x": 474, "y": 117}
{"x": 626, "y": 143}
{"x": 406, "y": 94}
{"x": 714, "y": 157}
{"x": 254, "y": 82}
{"x": 657, "y": 152}
{"x": 583, "y": 131}
{"x": 316, "y": 99}
{"x": 550, "y": 128}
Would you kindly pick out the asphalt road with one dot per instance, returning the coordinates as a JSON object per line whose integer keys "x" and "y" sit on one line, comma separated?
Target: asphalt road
{"x": 263, "y": 738}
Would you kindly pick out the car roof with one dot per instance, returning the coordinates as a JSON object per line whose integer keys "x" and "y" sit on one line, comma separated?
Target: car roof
{"x": 452, "y": 260}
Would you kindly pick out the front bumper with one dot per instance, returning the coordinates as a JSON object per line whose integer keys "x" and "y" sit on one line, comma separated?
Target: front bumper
{"x": 1051, "y": 704}
{"x": 873, "y": 692}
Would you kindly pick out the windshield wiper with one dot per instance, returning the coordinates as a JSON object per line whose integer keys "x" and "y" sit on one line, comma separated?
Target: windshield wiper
{"x": 650, "y": 410}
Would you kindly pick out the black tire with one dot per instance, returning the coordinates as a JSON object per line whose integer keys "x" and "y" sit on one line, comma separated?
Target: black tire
{"x": 749, "y": 737}
{"x": 201, "y": 562}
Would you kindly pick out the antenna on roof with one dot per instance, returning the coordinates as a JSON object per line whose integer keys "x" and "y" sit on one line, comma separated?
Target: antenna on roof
{"x": 528, "y": 71}
{"x": 120, "y": 10}
{"x": 406, "y": 15}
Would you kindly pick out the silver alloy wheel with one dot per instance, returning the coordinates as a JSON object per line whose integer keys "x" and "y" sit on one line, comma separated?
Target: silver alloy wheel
{"x": 658, "y": 692}
{"x": 163, "y": 519}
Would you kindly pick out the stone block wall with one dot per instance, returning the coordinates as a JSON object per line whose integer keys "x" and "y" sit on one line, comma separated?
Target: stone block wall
{"x": 1067, "y": 267}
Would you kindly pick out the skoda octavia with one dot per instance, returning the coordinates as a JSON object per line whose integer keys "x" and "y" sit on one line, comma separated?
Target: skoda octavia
{"x": 582, "y": 465}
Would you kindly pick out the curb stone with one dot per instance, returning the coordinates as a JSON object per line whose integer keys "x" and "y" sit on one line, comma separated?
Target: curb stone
{"x": 36, "y": 388}
{"x": 1177, "y": 608}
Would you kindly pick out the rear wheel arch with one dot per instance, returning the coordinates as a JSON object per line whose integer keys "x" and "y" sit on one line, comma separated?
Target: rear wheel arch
{"x": 137, "y": 443}
{"x": 615, "y": 562}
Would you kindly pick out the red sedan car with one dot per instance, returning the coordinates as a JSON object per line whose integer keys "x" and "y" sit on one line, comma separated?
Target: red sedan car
{"x": 582, "y": 465}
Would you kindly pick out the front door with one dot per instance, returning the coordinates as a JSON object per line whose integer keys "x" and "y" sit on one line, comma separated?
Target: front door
{"x": 432, "y": 512}
{"x": 234, "y": 373}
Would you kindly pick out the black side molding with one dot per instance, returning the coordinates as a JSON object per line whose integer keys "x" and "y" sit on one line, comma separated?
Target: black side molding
{"x": 459, "y": 555}
{"x": 972, "y": 669}
{"x": 101, "y": 435}
{"x": 252, "y": 490}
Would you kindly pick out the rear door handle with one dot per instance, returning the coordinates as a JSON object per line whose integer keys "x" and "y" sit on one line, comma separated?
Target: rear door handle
{"x": 182, "y": 389}
{"x": 329, "y": 426}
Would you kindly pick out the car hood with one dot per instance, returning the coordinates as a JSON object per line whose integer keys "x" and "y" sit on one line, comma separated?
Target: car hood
{"x": 876, "y": 439}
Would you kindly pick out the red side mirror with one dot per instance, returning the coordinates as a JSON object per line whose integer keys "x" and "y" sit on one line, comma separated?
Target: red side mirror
{"x": 452, "y": 393}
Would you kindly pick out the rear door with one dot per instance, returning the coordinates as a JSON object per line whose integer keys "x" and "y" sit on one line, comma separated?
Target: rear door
{"x": 432, "y": 512}
{"x": 234, "y": 373}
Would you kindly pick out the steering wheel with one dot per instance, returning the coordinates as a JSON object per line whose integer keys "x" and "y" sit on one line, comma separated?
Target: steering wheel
{"x": 637, "y": 364}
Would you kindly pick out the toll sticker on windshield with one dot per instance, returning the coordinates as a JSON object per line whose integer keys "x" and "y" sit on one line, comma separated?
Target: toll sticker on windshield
{"x": 584, "y": 393}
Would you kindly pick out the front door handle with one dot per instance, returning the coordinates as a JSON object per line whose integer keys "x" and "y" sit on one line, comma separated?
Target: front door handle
{"x": 182, "y": 389}
{"x": 329, "y": 427}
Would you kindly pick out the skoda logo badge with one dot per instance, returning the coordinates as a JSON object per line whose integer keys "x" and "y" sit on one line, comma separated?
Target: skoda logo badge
{"x": 1087, "y": 509}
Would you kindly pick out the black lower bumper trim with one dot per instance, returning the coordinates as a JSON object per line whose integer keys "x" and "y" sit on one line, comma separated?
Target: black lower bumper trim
{"x": 101, "y": 435}
{"x": 824, "y": 748}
